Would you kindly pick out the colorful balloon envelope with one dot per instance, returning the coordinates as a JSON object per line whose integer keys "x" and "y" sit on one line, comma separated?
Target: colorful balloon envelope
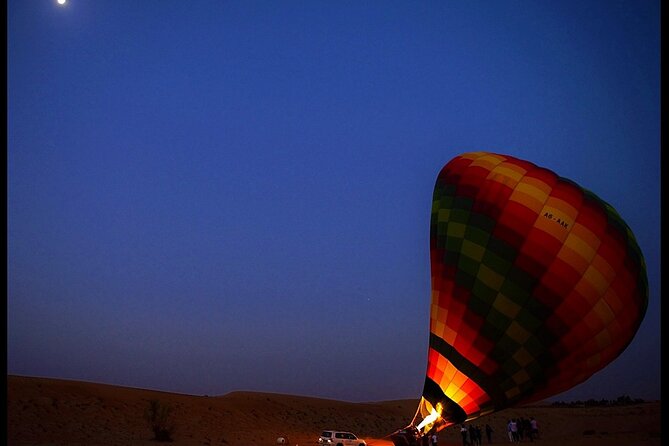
{"x": 536, "y": 285}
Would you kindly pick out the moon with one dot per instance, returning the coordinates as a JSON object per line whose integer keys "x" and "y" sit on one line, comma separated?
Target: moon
{"x": 61, "y": 2}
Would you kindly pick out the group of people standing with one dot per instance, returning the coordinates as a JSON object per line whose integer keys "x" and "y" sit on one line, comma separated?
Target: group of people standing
{"x": 472, "y": 436}
{"x": 518, "y": 430}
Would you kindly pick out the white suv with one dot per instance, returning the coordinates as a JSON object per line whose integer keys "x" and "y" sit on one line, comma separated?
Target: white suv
{"x": 340, "y": 438}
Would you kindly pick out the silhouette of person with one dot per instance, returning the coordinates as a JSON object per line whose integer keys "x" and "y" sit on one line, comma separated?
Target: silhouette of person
{"x": 534, "y": 429}
{"x": 514, "y": 430}
{"x": 472, "y": 435}
{"x": 463, "y": 432}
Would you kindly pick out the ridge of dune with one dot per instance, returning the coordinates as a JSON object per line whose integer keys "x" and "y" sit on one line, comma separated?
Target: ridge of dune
{"x": 47, "y": 411}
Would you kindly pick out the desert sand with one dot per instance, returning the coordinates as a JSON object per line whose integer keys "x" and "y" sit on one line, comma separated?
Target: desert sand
{"x": 44, "y": 411}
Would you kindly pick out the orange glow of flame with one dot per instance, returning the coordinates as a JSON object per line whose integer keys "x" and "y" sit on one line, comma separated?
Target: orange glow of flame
{"x": 430, "y": 420}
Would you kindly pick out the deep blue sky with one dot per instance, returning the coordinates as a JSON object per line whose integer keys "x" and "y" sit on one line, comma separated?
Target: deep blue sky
{"x": 208, "y": 196}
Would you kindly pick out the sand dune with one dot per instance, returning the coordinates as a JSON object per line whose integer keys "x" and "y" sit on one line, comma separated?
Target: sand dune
{"x": 44, "y": 411}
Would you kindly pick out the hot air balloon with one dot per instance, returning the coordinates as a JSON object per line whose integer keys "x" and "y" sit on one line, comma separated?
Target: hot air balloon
{"x": 537, "y": 284}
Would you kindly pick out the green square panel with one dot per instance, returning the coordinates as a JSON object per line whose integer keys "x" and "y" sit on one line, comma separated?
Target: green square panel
{"x": 484, "y": 292}
{"x": 477, "y": 235}
{"x": 502, "y": 250}
{"x": 482, "y": 222}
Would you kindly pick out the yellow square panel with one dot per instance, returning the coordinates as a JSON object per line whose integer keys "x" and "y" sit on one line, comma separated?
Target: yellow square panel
{"x": 506, "y": 174}
{"x": 506, "y": 306}
{"x": 512, "y": 392}
{"x": 603, "y": 267}
{"x": 604, "y": 312}
{"x": 527, "y": 200}
{"x": 450, "y": 371}
{"x": 523, "y": 357}
{"x": 459, "y": 394}
{"x": 489, "y": 277}
{"x": 582, "y": 247}
{"x": 521, "y": 377}
{"x": 439, "y": 312}
{"x": 521, "y": 171}
{"x": 442, "y": 363}
{"x": 573, "y": 259}
{"x": 443, "y": 215}
{"x": 458, "y": 379}
{"x": 565, "y": 208}
{"x": 586, "y": 235}
{"x": 437, "y": 327}
{"x": 488, "y": 161}
{"x": 596, "y": 279}
{"x": 449, "y": 335}
{"x": 517, "y": 332}
{"x": 538, "y": 184}
{"x": 450, "y": 390}
{"x": 456, "y": 230}
{"x": 534, "y": 188}
{"x": 472, "y": 250}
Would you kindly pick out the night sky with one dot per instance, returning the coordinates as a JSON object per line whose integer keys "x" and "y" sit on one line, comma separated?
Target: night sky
{"x": 210, "y": 196}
